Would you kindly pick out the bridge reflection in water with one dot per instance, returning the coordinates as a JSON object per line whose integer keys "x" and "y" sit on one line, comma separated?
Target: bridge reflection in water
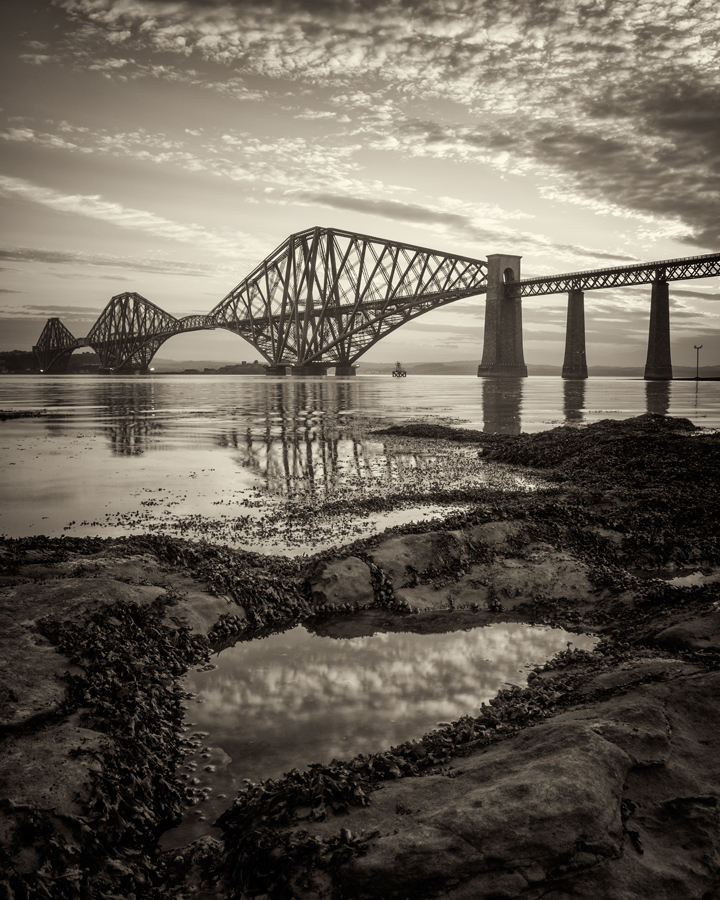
{"x": 297, "y": 437}
{"x": 502, "y": 405}
{"x": 301, "y": 437}
{"x": 133, "y": 424}
{"x": 303, "y": 434}
{"x": 657, "y": 395}
{"x": 573, "y": 401}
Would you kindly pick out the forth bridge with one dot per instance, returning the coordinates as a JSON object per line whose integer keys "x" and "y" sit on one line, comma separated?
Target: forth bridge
{"x": 325, "y": 296}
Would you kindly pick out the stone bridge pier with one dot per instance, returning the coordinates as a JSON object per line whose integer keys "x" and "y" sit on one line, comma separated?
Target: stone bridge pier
{"x": 658, "y": 366}
{"x": 503, "y": 339}
{"x": 503, "y": 345}
{"x": 575, "y": 363}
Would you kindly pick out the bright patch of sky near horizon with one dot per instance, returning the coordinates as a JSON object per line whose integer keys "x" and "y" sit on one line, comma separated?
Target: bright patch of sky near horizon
{"x": 167, "y": 147}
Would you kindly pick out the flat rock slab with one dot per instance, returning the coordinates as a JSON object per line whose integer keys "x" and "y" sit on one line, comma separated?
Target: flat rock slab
{"x": 43, "y": 772}
{"x": 426, "y": 597}
{"x": 200, "y": 611}
{"x": 540, "y": 572}
{"x": 701, "y": 633}
{"x": 494, "y": 534}
{"x": 344, "y": 581}
{"x": 635, "y": 672}
{"x": 134, "y": 568}
{"x": 554, "y": 800}
{"x": 31, "y": 674}
{"x": 65, "y": 598}
{"x": 31, "y": 669}
{"x": 618, "y": 800}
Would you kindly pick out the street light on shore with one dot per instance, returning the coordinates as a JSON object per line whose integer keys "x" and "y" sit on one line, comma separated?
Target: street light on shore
{"x": 698, "y": 348}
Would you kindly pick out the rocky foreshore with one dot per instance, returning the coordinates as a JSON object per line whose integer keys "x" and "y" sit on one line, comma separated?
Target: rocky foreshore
{"x": 601, "y": 778}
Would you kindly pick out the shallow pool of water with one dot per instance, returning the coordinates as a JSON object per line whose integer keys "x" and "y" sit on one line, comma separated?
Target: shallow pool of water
{"x": 291, "y": 699}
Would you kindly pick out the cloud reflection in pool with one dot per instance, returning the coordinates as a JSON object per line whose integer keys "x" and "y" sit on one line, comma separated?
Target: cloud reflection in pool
{"x": 294, "y": 698}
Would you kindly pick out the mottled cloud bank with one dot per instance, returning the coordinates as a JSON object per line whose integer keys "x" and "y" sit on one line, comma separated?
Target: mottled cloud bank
{"x": 332, "y": 180}
{"x": 615, "y": 105}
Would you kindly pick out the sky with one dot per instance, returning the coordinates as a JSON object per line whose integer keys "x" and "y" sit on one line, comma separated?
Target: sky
{"x": 167, "y": 146}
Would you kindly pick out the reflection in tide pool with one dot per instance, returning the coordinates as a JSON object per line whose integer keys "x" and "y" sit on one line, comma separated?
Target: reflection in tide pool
{"x": 295, "y": 698}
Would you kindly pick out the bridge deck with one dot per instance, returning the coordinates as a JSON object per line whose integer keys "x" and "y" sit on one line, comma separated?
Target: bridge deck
{"x": 679, "y": 269}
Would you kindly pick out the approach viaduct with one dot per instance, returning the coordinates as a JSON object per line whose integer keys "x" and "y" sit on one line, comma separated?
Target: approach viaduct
{"x": 325, "y": 296}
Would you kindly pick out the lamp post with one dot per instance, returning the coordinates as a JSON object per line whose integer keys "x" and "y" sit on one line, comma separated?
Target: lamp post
{"x": 698, "y": 348}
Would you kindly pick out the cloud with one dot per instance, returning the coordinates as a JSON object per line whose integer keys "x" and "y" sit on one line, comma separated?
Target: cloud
{"x": 699, "y": 295}
{"x": 612, "y": 106}
{"x": 386, "y": 209}
{"x": 8, "y": 291}
{"x": 137, "y": 264}
{"x": 74, "y": 276}
{"x": 95, "y": 207}
{"x": 56, "y": 310}
{"x": 35, "y": 59}
{"x": 27, "y": 135}
{"x": 236, "y": 156}
{"x": 483, "y": 227}
{"x": 316, "y": 114}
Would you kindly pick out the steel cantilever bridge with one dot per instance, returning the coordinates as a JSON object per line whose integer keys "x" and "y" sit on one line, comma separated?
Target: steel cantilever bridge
{"x": 322, "y": 298}
{"x": 325, "y": 296}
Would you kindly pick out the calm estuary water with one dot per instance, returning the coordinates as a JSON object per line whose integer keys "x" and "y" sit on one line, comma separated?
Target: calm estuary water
{"x": 238, "y": 458}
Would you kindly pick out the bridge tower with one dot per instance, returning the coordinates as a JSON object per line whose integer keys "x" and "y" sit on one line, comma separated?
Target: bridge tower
{"x": 503, "y": 345}
{"x": 55, "y": 346}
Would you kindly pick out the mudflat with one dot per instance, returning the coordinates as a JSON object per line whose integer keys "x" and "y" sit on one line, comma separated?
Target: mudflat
{"x": 601, "y": 778}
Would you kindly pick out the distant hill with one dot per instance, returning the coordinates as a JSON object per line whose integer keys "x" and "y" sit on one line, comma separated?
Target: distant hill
{"x": 24, "y": 361}
{"x": 470, "y": 367}
{"x": 179, "y": 365}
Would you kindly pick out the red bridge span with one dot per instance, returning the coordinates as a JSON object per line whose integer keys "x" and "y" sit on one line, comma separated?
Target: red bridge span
{"x": 325, "y": 296}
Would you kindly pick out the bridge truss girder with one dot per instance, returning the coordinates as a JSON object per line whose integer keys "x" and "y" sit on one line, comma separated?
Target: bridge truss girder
{"x": 130, "y": 331}
{"x": 706, "y": 266}
{"x": 327, "y": 296}
{"x": 55, "y": 347}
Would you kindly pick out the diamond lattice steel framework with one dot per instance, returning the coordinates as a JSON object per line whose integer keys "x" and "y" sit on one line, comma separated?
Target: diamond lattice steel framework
{"x": 129, "y": 332}
{"x": 323, "y": 296}
{"x": 706, "y": 266}
{"x": 327, "y": 296}
{"x": 55, "y": 346}
{"x": 131, "y": 329}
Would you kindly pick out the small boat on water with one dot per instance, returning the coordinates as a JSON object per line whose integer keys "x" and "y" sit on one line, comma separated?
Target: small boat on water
{"x": 398, "y": 371}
